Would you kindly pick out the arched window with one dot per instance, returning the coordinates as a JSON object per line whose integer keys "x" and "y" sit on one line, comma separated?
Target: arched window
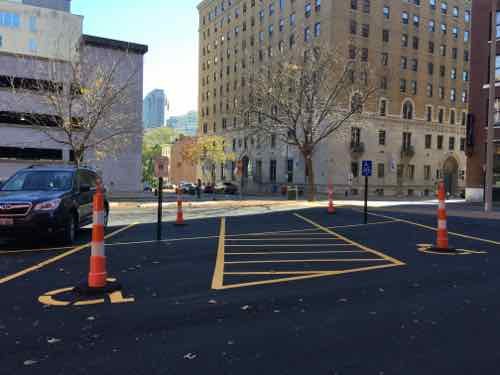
{"x": 357, "y": 103}
{"x": 408, "y": 110}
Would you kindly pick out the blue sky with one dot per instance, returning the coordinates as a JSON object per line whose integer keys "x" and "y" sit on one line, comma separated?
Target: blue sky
{"x": 168, "y": 27}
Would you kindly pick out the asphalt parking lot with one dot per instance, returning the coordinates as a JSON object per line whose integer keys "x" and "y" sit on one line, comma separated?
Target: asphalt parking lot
{"x": 280, "y": 293}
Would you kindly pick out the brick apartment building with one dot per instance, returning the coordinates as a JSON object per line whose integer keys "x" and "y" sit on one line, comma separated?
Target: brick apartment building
{"x": 422, "y": 105}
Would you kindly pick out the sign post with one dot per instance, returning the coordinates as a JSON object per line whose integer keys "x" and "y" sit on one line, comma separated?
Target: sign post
{"x": 161, "y": 171}
{"x": 367, "y": 168}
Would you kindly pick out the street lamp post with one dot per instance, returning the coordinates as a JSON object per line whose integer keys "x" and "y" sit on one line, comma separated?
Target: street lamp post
{"x": 488, "y": 201}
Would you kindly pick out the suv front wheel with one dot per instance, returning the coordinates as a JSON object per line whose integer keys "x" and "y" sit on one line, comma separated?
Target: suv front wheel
{"x": 71, "y": 230}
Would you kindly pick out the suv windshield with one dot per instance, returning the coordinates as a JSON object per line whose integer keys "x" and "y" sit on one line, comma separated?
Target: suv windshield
{"x": 39, "y": 180}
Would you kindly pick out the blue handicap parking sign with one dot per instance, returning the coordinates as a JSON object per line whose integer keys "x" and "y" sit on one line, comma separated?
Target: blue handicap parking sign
{"x": 366, "y": 168}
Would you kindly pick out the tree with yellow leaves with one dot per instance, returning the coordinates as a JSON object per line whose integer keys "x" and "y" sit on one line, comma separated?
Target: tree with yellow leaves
{"x": 208, "y": 152}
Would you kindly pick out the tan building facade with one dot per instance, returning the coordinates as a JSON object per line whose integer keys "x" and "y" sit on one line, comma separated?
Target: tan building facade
{"x": 413, "y": 131}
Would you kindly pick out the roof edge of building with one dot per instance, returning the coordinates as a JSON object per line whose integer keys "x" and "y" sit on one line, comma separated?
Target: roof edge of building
{"x": 115, "y": 44}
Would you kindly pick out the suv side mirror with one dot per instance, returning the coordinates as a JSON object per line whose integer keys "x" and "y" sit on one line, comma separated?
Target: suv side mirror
{"x": 84, "y": 188}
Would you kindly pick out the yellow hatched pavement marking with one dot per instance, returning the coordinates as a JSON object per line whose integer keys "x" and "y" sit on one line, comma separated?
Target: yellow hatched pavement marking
{"x": 218, "y": 277}
{"x": 378, "y": 253}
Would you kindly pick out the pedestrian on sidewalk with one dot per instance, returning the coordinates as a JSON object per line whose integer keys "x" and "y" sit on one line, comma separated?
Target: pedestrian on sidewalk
{"x": 198, "y": 189}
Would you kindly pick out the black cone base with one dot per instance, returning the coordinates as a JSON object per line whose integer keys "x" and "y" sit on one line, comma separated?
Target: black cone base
{"x": 86, "y": 290}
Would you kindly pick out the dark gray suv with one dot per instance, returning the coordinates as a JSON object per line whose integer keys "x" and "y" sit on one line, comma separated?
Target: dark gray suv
{"x": 48, "y": 201}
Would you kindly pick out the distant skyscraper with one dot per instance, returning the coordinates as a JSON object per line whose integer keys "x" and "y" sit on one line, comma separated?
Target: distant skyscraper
{"x": 154, "y": 109}
{"x": 186, "y": 124}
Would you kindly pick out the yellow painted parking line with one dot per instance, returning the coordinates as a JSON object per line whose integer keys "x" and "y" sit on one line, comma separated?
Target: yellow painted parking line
{"x": 435, "y": 229}
{"x": 306, "y": 277}
{"x": 89, "y": 302}
{"x": 48, "y": 298}
{"x": 306, "y": 261}
{"x": 375, "y": 252}
{"x": 282, "y": 239}
{"x": 298, "y": 252}
{"x": 294, "y": 245}
{"x": 362, "y": 225}
{"x": 218, "y": 278}
{"x": 258, "y": 273}
{"x": 45, "y": 250}
{"x": 291, "y": 232}
{"x": 57, "y": 258}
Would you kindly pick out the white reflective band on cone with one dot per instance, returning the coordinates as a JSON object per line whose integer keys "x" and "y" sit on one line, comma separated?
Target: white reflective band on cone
{"x": 98, "y": 217}
{"x": 441, "y": 205}
{"x": 98, "y": 248}
{"x": 441, "y": 224}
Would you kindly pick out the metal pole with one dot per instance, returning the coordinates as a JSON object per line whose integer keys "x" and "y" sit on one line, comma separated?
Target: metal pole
{"x": 160, "y": 209}
{"x": 366, "y": 199}
{"x": 488, "y": 202}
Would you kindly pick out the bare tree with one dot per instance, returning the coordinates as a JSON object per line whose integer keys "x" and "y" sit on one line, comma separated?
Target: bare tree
{"x": 84, "y": 103}
{"x": 306, "y": 96}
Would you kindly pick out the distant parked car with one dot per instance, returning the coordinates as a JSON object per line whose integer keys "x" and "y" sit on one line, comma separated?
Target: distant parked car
{"x": 188, "y": 189}
{"x": 209, "y": 189}
{"x": 226, "y": 188}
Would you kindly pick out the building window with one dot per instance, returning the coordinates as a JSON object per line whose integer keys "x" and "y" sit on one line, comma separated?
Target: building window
{"x": 317, "y": 29}
{"x": 404, "y": 17}
{"x": 273, "y": 140}
{"x": 453, "y": 95}
{"x": 408, "y": 110}
{"x": 383, "y": 107}
{"x": 385, "y": 35}
{"x": 353, "y": 27}
{"x": 411, "y": 172}
{"x": 429, "y": 114}
{"x": 444, "y": 7}
{"x": 380, "y": 170}
{"x": 32, "y": 45}
{"x": 402, "y": 85}
{"x": 387, "y": 12}
{"x": 432, "y": 26}
{"x": 441, "y": 115}
{"x": 451, "y": 144}
{"x": 452, "y": 117}
{"x": 404, "y": 40}
{"x": 466, "y": 35}
{"x": 10, "y": 20}
{"x": 427, "y": 172}
{"x": 440, "y": 142}
{"x": 32, "y": 22}
{"x": 354, "y": 4}
{"x": 428, "y": 141}
{"x": 355, "y": 169}
{"x": 289, "y": 170}
{"x": 413, "y": 87}
{"x": 381, "y": 137}
{"x": 272, "y": 171}
{"x": 462, "y": 144}
{"x": 355, "y": 136}
{"x": 308, "y": 9}
{"x": 467, "y": 16}
{"x": 365, "y": 30}
{"x": 430, "y": 47}
{"x": 406, "y": 140}
{"x": 385, "y": 58}
{"x": 307, "y": 34}
{"x": 366, "y": 6}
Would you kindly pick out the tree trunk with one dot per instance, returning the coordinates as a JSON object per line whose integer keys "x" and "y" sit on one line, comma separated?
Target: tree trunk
{"x": 311, "y": 187}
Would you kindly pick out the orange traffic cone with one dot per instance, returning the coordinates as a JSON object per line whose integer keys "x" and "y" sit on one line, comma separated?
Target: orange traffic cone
{"x": 331, "y": 207}
{"x": 442, "y": 230}
{"x": 97, "y": 279}
{"x": 98, "y": 274}
{"x": 180, "y": 215}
